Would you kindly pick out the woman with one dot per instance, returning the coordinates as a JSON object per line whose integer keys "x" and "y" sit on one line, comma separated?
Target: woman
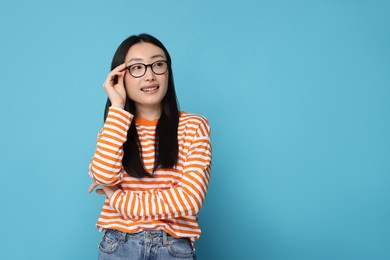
{"x": 152, "y": 161}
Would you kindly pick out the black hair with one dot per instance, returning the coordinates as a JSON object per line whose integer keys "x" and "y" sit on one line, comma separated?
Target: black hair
{"x": 166, "y": 143}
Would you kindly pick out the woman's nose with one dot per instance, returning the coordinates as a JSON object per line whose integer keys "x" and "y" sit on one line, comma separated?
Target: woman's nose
{"x": 149, "y": 74}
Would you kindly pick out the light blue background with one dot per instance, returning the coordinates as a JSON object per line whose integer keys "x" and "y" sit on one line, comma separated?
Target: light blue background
{"x": 297, "y": 93}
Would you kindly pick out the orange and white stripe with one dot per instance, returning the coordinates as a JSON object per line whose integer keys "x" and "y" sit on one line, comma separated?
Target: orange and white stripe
{"x": 169, "y": 200}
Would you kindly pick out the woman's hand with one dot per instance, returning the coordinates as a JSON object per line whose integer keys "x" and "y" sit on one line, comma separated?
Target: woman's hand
{"x": 104, "y": 190}
{"x": 93, "y": 186}
{"x": 116, "y": 92}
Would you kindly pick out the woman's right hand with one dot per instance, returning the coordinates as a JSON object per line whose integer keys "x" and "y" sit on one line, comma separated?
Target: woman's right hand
{"x": 116, "y": 92}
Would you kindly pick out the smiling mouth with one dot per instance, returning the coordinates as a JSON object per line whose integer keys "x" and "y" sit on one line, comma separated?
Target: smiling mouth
{"x": 149, "y": 89}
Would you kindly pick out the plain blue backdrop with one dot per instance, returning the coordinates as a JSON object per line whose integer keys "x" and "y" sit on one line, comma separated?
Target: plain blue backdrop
{"x": 297, "y": 94}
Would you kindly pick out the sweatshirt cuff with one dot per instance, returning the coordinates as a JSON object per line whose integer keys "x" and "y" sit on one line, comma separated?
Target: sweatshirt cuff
{"x": 120, "y": 111}
{"x": 119, "y": 119}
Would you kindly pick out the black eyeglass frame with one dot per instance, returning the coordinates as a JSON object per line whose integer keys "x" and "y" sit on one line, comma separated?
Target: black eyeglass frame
{"x": 146, "y": 67}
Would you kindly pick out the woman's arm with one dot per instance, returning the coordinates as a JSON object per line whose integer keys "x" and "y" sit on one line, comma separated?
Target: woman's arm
{"x": 106, "y": 164}
{"x": 185, "y": 199}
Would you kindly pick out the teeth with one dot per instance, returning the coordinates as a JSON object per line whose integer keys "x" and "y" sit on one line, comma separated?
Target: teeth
{"x": 149, "y": 89}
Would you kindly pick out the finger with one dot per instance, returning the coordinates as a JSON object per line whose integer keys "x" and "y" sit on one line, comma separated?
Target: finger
{"x": 116, "y": 73}
{"x": 121, "y": 74}
{"x": 111, "y": 76}
{"x": 120, "y": 68}
{"x": 92, "y": 186}
{"x": 100, "y": 191}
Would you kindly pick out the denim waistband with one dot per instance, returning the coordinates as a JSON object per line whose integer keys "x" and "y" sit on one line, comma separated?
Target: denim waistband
{"x": 154, "y": 236}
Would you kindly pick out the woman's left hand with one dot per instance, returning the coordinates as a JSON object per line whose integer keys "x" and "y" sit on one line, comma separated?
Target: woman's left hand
{"x": 104, "y": 190}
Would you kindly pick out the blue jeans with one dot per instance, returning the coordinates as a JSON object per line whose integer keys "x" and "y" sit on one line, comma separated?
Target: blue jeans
{"x": 150, "y": 244}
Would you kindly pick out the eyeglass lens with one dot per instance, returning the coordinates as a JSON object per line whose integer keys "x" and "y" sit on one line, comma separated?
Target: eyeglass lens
{"x": 139, "y": 69}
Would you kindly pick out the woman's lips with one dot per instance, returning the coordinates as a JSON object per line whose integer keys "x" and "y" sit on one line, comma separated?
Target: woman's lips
{"x": 150, "y": 89}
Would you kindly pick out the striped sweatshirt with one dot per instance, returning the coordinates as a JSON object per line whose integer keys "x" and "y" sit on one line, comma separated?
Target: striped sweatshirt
{"x": 171, "y": 199}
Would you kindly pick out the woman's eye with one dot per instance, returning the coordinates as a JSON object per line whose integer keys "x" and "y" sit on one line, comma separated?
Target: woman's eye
{"x": 158, "y": 64}
{"x": 136, "y": 67}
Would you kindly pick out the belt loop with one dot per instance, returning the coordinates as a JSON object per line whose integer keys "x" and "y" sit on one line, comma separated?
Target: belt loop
{"x": 123, "y": 236}
{"x": 165, "y": 238}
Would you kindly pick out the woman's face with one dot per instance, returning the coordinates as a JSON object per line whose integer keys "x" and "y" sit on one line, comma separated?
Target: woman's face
{"x": 148, "y": 90}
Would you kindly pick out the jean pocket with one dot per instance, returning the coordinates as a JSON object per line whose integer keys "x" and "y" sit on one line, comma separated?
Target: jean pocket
{"x": 181, "y": 248}
{"x": 109, "y": 244}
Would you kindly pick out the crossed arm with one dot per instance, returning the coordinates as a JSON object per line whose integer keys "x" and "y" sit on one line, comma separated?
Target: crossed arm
{"x": 184, "y": 199}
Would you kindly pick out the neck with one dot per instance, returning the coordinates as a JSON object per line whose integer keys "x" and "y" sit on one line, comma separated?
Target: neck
{"x": 148, "y": 113}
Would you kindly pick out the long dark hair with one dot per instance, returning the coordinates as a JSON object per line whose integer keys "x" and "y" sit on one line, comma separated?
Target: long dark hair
{"x": 166, "y": 143}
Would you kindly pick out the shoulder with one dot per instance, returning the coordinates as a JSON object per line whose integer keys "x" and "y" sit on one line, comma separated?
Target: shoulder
{"x": 189, "y": 118}
{"x": 196, "y": 122}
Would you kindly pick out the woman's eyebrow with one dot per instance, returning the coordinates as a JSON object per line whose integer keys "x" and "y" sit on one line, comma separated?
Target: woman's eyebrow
{"x": 153, "y": 57}
{"x": 157, "y": 56}
{"x": 135, "y": 59}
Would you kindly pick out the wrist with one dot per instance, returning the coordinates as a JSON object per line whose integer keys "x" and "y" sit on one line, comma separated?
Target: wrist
{"x": 110, "y": 190}
{"x": 121, "y": 106}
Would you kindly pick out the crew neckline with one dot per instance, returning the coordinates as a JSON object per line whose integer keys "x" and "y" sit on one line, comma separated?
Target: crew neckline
{"x": 143, "y": 121}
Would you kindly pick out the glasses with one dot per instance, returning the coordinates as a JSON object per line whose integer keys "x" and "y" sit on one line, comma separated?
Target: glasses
{"x": 139, "y": 69}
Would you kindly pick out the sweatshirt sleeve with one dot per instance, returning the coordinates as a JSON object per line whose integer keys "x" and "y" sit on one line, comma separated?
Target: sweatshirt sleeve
{"x": 106, "y": 164}
{"x": 184, "y": 199}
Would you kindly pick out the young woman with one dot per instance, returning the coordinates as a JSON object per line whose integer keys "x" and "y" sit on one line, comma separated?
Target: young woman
{"x": 152, "y": 161}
